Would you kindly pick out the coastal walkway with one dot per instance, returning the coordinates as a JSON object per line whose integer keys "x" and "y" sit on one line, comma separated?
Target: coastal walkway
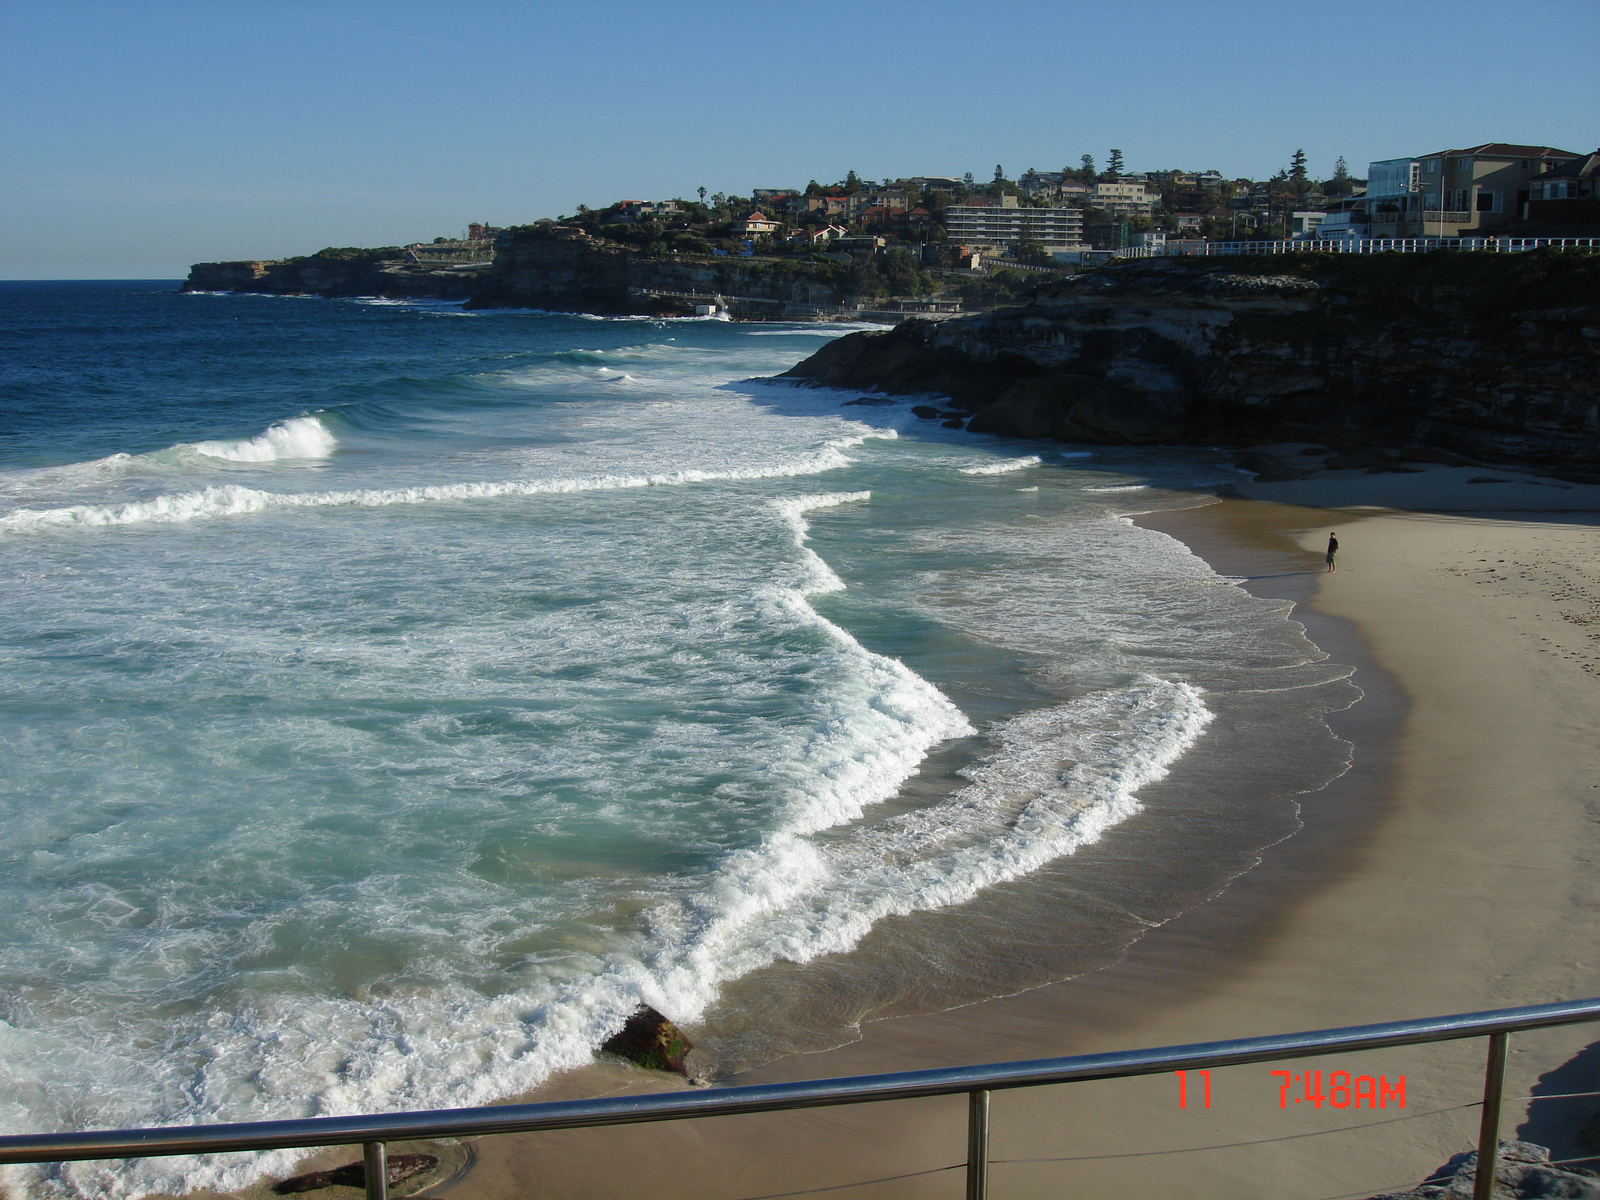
{"x": 976, "y": 1082}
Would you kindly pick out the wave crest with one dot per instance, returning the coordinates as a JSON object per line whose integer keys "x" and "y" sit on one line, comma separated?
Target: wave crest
{"x": 298, "y": 437}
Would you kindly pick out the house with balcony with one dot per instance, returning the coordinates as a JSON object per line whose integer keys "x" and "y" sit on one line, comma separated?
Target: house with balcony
{"x": 757, "y": 224}
{"x": 1460, "y": 193}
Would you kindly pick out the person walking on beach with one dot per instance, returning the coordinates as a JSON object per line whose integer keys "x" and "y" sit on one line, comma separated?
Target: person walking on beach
{"x": 1333, "y": 548}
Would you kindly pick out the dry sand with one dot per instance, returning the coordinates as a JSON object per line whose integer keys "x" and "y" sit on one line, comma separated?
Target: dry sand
{"x": 1452, "y": 869}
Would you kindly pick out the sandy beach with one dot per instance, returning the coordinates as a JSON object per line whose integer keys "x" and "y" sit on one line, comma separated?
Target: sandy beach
{"x": 1451, "y": 869}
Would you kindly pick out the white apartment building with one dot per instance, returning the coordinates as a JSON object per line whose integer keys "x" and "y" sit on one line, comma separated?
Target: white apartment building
{"x": 1124, "y": 199}
{"x": 1006, "y": 224}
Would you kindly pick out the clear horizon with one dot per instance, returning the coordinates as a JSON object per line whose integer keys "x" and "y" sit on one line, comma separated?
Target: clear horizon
{"x": 148, "y": 136}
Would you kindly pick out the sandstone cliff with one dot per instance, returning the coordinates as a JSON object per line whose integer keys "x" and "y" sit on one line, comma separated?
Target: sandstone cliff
{"x": 1493, "y": 357}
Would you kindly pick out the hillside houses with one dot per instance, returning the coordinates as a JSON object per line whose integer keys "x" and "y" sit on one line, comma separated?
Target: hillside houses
{"x": 1044, "y": 216}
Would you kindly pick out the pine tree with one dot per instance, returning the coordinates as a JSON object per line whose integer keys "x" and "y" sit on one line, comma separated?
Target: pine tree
{"x": 1114, "y": 165}
{"x": 1297, "y": 166}
{"x": 1341, "y": 183}
{"x": 852, "y": 181}
{"x": 999, "y": 172}
{"x": 1088, "y": 168}
{"x": 968, "y": 181}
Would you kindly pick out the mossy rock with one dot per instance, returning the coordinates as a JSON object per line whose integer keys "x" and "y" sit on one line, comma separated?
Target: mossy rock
{"x": 651, "y": 1041}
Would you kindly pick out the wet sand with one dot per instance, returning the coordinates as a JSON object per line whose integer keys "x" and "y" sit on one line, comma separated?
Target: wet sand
{"x": 1451, "y": 869}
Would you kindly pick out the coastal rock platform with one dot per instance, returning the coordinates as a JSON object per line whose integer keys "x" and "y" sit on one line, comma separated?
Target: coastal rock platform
{"x": 1493, "y": 358}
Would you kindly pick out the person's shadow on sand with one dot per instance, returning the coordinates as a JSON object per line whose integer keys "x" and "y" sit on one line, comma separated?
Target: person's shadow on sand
{"x": 1570, "y": 1128}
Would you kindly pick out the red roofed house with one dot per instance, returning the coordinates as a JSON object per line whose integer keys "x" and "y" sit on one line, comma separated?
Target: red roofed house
{"x": 757, "y": 225}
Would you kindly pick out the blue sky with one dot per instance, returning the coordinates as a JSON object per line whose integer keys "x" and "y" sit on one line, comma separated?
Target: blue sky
{"x": 136, "y": 138}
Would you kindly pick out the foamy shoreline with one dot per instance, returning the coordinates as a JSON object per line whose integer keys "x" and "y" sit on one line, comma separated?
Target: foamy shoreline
{"x": 1415, "y": 889}
{"x": 1449, "y": 897}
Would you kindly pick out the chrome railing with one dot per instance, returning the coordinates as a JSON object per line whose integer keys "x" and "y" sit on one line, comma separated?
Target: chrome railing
{"x": 372, "y": 1132}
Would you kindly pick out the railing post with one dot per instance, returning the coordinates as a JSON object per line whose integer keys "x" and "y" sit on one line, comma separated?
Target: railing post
{"x": 1494, "y": 1079}
{"x": 977, "y": 1145}
{"x": 375, "y": 1164}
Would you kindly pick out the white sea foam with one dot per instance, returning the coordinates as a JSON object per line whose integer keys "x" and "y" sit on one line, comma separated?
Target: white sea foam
{"x": 818, "y": 868}
{"x": 1118, "y": 487}
{"x": 821, "y": 576}
{"x": 1005, "y": 467}
{"x": 299, "y": 437}
{"x": 234, "y": 500}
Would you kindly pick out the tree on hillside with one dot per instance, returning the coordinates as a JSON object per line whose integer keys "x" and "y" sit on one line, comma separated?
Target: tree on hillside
{"x": 1114, "y": 165}
{"x": 813, "y": 188}
{"x": 852, "y": 181}
{"x": 702, "y": 195}
{"x": 968, "y": 182}
{"x": 1088, "y": 174}
{"x": 1031, "y": 251}
{"x": 1297, "y": 167}
{"x": 1340, "y": 184}
{"x": 999, "y": 173}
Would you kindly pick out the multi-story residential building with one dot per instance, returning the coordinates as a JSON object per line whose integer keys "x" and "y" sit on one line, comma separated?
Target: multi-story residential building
{"x": 1005, "y": 223}
{"x": 1393, "y": 198}
{"x": 829, "y": 204}
{"x": 1558, "y": 195}
{"x": 757, "y": 225}
{"x": 1123, "y": 199}
{"x": 1456, "y": 193}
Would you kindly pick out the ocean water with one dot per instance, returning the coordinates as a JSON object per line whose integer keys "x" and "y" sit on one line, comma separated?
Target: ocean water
{"x": 393, "y": 697}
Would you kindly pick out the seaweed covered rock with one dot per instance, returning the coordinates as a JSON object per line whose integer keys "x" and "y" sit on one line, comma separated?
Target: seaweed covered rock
{"x": 398, "y": 1169}
{"x": 651, "y": 1041}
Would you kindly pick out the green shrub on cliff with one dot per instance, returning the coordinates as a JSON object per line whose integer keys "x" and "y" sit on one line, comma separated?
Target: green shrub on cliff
{"x": 354, "y": 252}
{"x": 1548, "y": 277}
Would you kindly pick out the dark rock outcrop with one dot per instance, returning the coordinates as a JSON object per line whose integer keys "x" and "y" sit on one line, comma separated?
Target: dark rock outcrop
{"x": 1522, "y": 1172}
{"x": 369, "y": 273}
{"x": 1452, "y": 356}
{"x": 550, "y": 267}
{"x": 651, "y": 1041}
{"x": 397, "y": 1170}
{"x": 561, "y": 269}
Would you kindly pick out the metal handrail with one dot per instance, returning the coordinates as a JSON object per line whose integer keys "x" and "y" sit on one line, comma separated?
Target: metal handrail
{"x": 977, "y": 1082}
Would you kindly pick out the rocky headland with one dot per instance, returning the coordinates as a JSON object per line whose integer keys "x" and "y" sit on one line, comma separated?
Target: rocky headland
{"x": 1442, "y": 357}
{"x": 332, "y": 273}
{"x": 549, "y": 267}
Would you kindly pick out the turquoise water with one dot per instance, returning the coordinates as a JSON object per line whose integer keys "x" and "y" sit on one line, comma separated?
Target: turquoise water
{"x": 394, "y": 697}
